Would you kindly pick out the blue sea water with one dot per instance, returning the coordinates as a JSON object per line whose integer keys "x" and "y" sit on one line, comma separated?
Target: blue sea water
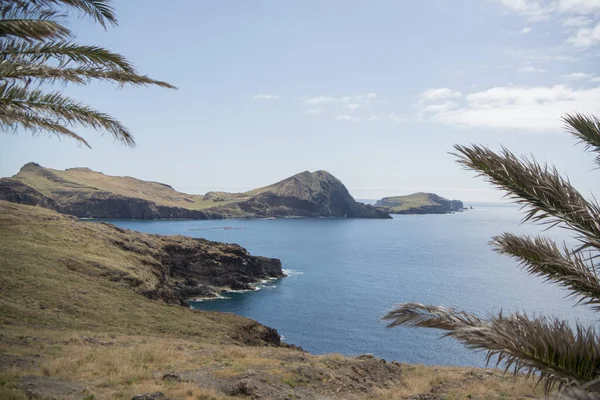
{"x": 345, "y": 274}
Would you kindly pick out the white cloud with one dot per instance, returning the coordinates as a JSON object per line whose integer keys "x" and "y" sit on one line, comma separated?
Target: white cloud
{"x": 529, "y": 68}
{"x": 345, "y": 118}
{"x": 578, "y": 75}
{"x": 577, "y": 22}
{"x": 595, "y": 79}
{"x": 314, "y": 111}
{"x": 266, "y": 97}
{"x": 318, "y": 100}
{"x": 542, "y": 54}
{"x": 396, "y": 118}
{"x": 439, "y": 94}
{"x": 373, "y": 118}
{"x": 525, "y": 31}
{"x": 343, "y": 105}
{"x": 586, "y": 37}
{"x": 352, "y": 106}
{"x": 534, "y": 9}
{"x": 576, "y": 15}
{"x": 512, "y": 107}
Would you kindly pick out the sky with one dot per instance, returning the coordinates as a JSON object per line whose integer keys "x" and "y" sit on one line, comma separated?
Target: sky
{"x": 375, "y": 92}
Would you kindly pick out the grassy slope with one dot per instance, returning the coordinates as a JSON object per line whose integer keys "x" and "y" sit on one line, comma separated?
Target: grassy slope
{"x": 76, "y": 180}
{"x": 414, "y": 200}
{"x": 63, "y": 318}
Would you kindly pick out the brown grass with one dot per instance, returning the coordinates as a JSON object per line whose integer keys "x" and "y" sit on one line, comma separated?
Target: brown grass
{"x": 83, "y": 327}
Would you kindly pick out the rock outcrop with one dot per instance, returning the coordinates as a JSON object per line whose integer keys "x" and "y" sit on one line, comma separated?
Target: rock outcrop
{"x": 419, "y": 203}
{"x": 88, "y": 194}
{"x": 171, "y": 268}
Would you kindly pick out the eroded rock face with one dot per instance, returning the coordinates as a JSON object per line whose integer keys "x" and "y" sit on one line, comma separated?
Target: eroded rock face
{"x": 191, "y": 268}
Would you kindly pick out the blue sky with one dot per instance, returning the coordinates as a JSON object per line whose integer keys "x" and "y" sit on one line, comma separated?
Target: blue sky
{"x": 374, "y": 92}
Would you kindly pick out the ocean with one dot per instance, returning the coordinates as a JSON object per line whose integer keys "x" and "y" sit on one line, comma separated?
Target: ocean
{"x": 345, "y": 274}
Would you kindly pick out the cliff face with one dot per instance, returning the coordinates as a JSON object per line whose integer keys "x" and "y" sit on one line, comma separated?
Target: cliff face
{"x": 87, "y": 194}
{"x": 419, "y": 203}
{"x": 169, "y": 268}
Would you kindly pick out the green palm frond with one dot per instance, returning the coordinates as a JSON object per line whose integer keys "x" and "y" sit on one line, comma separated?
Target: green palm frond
{"x": 586, "y": 128}
{"x": 48, "y": 74}
{"x": 64, "y": 53}
{"x": 550, "y": 347}
{"x": 542, "y": 257}
{"x": 57, "y": 107}
{"x": 35, "y": 51}
{"x": 33, "y": 29}
{"x": 544, "y": 194}
{"x": 14, "y": 120}
{"x": 99, "y": 10}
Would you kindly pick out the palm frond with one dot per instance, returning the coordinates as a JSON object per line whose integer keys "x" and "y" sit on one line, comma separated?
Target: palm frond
{"x": 560, "y": 355}
{"x": 14, "y": 120}
{"x": 541, "y": 256}
{"x": 545, "y": 195}
{"x": 99, "y": 10}
{"x": 586, "y": 128}
{"x": 57, "y": 107}
{"x": 424, "y": 316}
{"x": 48, "y": 74}
{"x": 33, "y": 29}
{"x": 574, "y": 394}
{"x": 64, "y": 53}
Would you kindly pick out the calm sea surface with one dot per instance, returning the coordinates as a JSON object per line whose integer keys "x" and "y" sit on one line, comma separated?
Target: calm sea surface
{"x": 344, "y": 274}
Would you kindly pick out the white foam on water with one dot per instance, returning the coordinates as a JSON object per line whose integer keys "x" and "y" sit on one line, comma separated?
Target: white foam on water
{"x": 219, "y": 297}
{"x": 292, "y": 272}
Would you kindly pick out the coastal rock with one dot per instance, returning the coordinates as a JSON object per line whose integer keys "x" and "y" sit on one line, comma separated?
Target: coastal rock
{"x": 88, "y": 194}
{"x": 419, "y": 203}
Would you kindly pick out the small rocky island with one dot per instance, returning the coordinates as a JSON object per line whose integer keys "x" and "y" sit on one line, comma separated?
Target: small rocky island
{"x": 419, "y": 203}
{"x": 84, "y": 193}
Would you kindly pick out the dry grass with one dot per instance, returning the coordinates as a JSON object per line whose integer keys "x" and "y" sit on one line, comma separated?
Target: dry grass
{"x": 74, "y": 182}
{"x": 80, "y": 326}
{"x": 460, "y": 383}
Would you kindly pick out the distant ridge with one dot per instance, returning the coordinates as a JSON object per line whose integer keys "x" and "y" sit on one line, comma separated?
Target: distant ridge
{"x": 85, "y": 193}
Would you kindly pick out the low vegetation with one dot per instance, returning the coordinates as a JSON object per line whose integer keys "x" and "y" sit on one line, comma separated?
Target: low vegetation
{"x": 70, "y": 330}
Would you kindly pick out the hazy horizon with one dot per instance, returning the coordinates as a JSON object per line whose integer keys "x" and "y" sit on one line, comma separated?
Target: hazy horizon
{"x": 375, "y": 93}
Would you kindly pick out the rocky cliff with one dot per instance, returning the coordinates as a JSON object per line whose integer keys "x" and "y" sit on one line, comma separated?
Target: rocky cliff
{"x": 170, "y": 268}
{"x": 88, "y": 194}
{"x": 419, "y": 203}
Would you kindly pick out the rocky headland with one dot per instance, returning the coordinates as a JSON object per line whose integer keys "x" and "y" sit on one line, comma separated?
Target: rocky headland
{"x": 84, "y": 193}
{"x": 419, "y": 203}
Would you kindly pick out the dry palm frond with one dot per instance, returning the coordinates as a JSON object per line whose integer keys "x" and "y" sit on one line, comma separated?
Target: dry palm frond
{"x": 586, "y": 128}
{"x": 575, "y": 394}
{"x": 561, "y": 356}
{"x": 542, "y": 257}
{"x": 423, "y": 316}
{"x": 544, "y": 194}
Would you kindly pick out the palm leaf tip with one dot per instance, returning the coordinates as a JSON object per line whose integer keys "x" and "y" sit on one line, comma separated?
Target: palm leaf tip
{"x": 426, "y": 316}
{"x": 586, "y": 128}
{"x": 542, "y": 257}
